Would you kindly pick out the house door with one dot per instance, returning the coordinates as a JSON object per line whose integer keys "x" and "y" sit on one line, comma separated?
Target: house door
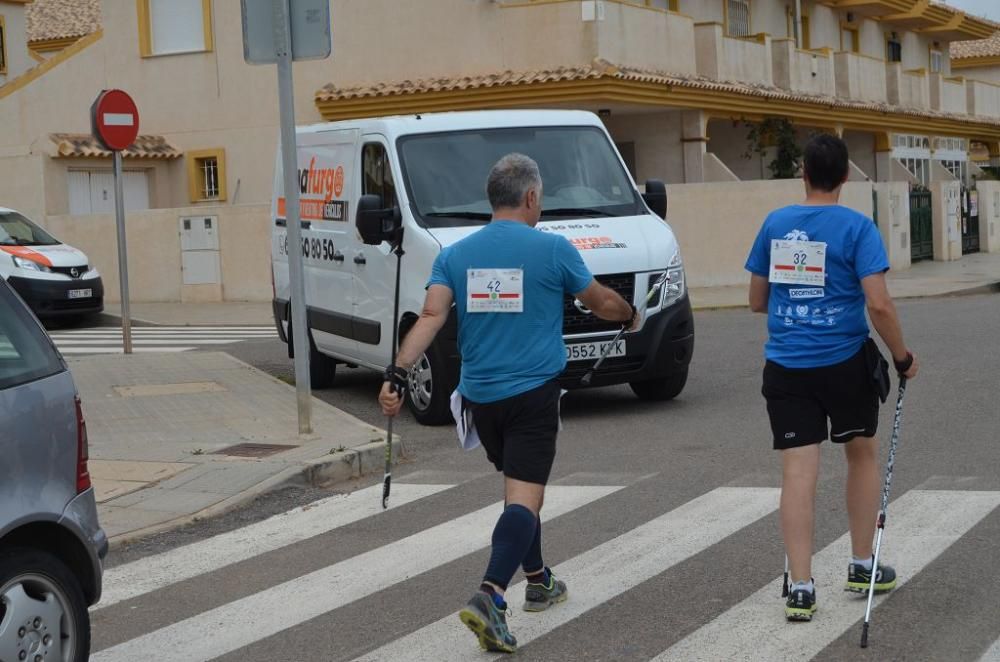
{"x": 921, "y": 226}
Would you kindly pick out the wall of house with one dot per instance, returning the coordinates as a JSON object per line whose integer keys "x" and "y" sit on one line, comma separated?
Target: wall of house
{"x": 989, "y": 74}
{"x": 657, "y": 139}
{"x": 861, "y": 147}
{"x": 18, "y": 60}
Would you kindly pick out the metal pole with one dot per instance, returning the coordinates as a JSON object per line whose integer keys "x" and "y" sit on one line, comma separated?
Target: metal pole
{"x": 290, "y": 169}
{"x": 798, "y": 24}
{"x": 122, "y": 253}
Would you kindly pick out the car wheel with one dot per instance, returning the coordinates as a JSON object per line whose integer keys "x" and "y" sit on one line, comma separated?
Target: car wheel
{"x": 665, "y": 388}
{"x": 429, "y": 388}
{"x": 43, "y": 614}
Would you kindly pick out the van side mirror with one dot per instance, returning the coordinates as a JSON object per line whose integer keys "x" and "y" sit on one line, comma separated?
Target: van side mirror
{"x": 376, "y": 224}
{"x": 656, "y": 197}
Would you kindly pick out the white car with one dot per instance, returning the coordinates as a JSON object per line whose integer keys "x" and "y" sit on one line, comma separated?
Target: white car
{"x": 54, "y": 279}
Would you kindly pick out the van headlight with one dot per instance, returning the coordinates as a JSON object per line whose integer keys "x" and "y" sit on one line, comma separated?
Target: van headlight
{"x": 673, "y": 287}
{"x": 30, "y": 265}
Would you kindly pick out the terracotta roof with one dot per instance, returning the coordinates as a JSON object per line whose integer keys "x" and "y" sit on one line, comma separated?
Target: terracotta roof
{"x": 85, "y": 145}
{"x": 961, "y": 50}
{"x": 61, "y": 19}
{"x": 604, "y": 70}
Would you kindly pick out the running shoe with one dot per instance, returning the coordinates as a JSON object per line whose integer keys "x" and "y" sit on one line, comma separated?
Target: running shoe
{"x": 539, "y": 597}
{"x": 489, "y": 623}
{"x": 859, "y": 578}
{"x": 801, "y": 604}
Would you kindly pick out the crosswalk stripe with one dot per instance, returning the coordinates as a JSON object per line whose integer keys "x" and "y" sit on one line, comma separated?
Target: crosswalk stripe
{"x": 993, "y": 654}
{"x": 149, "y": 341}
{"x": 155, "y": 572}
{"x": 286, "y": 605}
{"x": 117, "y": 336}
{"x": 601, "y": 573}
{"x": 921, "y": 525}
{"x": 157, "y": 332}
{"x": 157, "y": 329}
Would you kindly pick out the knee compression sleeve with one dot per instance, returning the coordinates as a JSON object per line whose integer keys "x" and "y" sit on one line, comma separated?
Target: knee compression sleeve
{"x": 512, "y": 537}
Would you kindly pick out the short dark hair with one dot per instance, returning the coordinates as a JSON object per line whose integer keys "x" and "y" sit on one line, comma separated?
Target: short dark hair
{"x": 826, "y": 162}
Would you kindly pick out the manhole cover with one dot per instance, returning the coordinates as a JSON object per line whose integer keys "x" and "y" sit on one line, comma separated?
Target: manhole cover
{"x": 253, "y": 450}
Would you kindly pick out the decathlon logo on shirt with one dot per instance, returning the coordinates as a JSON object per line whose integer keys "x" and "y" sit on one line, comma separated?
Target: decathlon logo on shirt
{"x": 495, "y": 291}
{"x": 798, "y": 293}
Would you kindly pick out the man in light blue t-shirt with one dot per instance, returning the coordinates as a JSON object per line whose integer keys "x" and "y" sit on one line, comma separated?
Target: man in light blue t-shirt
{"x": 507, "y": 282}
{"x": 815, "y": 268}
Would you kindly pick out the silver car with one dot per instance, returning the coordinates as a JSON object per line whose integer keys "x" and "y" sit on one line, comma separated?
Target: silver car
{"x": 51, "y": 543}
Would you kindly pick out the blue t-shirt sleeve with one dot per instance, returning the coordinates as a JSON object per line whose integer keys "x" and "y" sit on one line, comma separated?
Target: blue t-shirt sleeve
{"x": 759, "y": 261}
{"x": 439, "y": 272}
{"x": 575, "y": 275}
{"x": 869, "y": 252}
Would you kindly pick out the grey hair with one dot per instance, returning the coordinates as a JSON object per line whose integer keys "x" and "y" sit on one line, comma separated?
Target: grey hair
{"x": 511, "y": 179}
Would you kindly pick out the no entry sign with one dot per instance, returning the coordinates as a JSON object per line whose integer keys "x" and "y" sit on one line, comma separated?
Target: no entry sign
{"x": 115, "y": 119}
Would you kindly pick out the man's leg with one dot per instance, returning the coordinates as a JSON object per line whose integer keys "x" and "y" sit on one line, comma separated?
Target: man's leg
{"x": 863, "y": 483}
{"x": 800, "y": 471}
{"x": 514, "y": 533}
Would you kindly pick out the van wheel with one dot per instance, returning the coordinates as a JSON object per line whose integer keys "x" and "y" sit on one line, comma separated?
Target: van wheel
{"x": 428, "y": 393}
{"x": 665, "y": 388}
{"x": 42, "y": 609}
{"x": 322, "y": 368}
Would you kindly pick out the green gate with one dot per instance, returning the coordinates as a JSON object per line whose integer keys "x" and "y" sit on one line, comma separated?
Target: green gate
{"x": 921, "y": 226}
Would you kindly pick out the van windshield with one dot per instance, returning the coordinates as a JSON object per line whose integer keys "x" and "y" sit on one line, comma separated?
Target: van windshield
{"x": 582, "y": 177}
{"x": 16, "y": 230}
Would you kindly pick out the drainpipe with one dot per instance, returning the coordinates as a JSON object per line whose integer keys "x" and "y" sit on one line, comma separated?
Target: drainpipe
{"x": 798, "y": 23}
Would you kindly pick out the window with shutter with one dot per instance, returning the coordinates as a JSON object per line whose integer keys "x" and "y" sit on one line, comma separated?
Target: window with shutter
{"x": 174, "y": 26}
{"x": 738, "y": 18}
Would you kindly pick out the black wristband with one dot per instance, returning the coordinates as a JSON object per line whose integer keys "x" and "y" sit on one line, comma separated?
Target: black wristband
{"x": 396, "y": 375}
{"x": 905, "y": 364}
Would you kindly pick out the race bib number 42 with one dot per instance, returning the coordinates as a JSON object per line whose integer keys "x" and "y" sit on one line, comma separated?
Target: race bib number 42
{"x": 798, "y": 262}
{"x": 495, "y": 291}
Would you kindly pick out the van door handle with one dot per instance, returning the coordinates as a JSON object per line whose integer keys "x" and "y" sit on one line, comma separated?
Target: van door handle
{"x": 338, "y": 257}
{"x": 360, "y": 259}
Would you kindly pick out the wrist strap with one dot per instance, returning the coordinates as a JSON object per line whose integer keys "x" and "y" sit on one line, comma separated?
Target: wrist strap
{"x": 905, "y": 364}
{"x": 631, "y": 318}
{"x": 395, "y": 374}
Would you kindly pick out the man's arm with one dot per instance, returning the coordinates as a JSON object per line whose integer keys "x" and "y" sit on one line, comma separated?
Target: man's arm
{"x": 437, "y": 306}
{"x": 760, "y": 292}
{"x": 606, "y": 303}
{"x": 882, "y": 311}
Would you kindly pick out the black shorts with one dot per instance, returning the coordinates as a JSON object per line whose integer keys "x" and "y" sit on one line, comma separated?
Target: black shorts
{"x": 801, "y": 401}
{"x": 519, "y": 433}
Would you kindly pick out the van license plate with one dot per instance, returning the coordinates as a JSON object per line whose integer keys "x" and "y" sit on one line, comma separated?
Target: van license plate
{"x": 81, "y": 294}
{"x": 593, "y": 350}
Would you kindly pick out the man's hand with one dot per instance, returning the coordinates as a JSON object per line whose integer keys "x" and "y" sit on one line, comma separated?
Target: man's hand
{"x": 634, "y": 322}
{"x": 908, "y": 367}
{"x": 390, "y": 400}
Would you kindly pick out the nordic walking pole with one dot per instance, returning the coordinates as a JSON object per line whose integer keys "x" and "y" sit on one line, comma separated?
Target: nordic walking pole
{"x": 387, "y": 480}
{"x": 885, "y": 504}
{"x": 585, "y": 380}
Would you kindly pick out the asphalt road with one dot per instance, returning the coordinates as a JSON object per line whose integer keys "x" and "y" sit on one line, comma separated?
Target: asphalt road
{"x": 679, "y": 554}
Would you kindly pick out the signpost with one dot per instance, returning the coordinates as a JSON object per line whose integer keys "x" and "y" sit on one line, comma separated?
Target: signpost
{"x": 278, "y": 32}
{"x": 114, "y": 120}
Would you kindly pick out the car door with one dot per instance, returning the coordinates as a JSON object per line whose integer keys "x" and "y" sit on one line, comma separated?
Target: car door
{"x": 327, "y": 183}
{"x": 374, "y": 266}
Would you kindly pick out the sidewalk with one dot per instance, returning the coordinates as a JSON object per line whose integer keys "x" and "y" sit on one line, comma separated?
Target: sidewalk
{"x": 175, "y": 437}
{"x": 979, "y": 272}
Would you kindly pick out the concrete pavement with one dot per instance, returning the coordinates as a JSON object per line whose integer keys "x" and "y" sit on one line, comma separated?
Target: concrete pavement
{"x": 179, "y": 436}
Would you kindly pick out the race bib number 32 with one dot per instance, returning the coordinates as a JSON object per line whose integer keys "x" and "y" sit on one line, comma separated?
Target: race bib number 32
{"x": 798, "y": 262}
{"x": 495, "y": 291}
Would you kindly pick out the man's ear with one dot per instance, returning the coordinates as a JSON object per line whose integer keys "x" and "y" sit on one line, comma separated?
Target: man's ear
{"x": 531, "y": 199}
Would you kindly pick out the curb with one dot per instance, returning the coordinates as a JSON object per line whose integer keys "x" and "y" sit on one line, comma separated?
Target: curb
{"x": 324, "y": 471}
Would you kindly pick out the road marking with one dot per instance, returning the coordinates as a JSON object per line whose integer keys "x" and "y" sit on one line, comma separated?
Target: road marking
{"x": 602, "y": 573}
{"x": 119, "y": 350}
{"x": 993, "y": 654}
{"x": 89, "y": 342}
{"x": 108, "y": 340}
{"x": 155, "y": 572}
{"x": 255, "y": 617}
{"x": 921, "y": 525}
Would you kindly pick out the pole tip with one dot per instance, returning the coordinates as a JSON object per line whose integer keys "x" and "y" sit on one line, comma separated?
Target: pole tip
{"x": 864, "y": 636}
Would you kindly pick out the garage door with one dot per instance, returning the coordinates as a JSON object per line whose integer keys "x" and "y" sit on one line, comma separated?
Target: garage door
{"x": 93, "y": 191}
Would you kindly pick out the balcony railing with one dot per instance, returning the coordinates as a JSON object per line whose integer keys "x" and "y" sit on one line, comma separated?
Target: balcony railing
{"x": 796, "y": 70}
{"x": 724, "y": 58}
{"x": 948, "y": 95}
{"x": 909, "y": 89}
{"x": 983, "y": 98}
{"x": 860, "y": 77}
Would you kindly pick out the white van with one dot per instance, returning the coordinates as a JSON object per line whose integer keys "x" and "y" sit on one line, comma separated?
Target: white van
{"x": 54, "y": 279}
{"x": 432, "y": 169}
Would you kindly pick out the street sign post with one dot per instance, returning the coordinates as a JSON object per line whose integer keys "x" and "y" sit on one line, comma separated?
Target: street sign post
{"x": 114, "y": 120}
{"x": 278, "y": 32}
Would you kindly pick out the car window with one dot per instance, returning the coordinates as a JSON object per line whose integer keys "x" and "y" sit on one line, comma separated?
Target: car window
{"x": 16, "y": 230}
{"x": 25, "y": 352}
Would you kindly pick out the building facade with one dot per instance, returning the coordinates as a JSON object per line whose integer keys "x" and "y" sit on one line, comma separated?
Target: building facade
{"x": 679, "y": 83}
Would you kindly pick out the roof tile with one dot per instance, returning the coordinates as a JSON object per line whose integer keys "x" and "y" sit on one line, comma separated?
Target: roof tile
{"x": 86, "y": 145}
{"x": 61, "y": 19}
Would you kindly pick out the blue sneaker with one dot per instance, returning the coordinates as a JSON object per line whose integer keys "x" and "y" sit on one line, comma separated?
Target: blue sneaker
{"x": 489, "y": 623}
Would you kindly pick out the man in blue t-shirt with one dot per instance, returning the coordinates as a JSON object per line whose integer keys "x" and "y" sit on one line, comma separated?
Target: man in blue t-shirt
{"x": 815, "y": 267}
{"x": 507, "y": 282}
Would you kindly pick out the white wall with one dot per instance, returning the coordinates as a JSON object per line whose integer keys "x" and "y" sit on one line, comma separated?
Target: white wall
{"x": 657, "y": 138}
